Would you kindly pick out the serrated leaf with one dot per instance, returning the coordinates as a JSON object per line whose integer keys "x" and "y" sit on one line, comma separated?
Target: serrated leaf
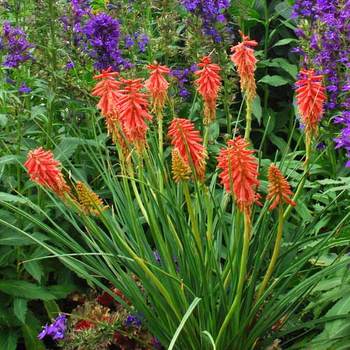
{"x": 25, "y": 290}
{"x": 274, "y": 80}
{"x": 20, "y": 308}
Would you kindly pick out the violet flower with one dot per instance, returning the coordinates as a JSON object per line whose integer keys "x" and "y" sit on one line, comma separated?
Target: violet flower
{"x": 211, "y": 13}
{"x": 15, "y": 45}
{"x": 24, "y": 89}
{"x": 103, "y": 33}
{"x": 56, "y": 330}
{"x": 133, "y": 321}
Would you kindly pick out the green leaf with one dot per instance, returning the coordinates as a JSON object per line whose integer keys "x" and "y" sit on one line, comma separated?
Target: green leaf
{"x": 20, "y": 308}
{"x": 6, "y": 197}
{"x": 34, "y": 268}
{"x": 284, "y": 64}
{"x": 25, "y": 290}
{"x": 183, "y": 321}
{"x": 3, "y": 120}
{"x": 285, "y": 41}
{"x": 52, "y": 308}
{"x": 30, "y": 332}
{"x": 337, "y": 329}
{"x": 13, "y": 238}
{"x": 8, "y": 339}
{"x": 257, "y": 110}
{"x": 11, "y": 159}
{"x": 274, "y": 80}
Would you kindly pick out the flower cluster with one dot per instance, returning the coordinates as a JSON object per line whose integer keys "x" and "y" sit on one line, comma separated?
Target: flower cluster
{"x": 14, "y": 43}
{"x": 211, "y": 12}
{"x": 56, "y": 330}
{"x": 157, "y": 85}
{"x": 141, "y": 39}
{"x": 279, "y": 191}
{"x": 208, "y": 86}
{"x": 310, "y": 95}
{"x": 244, "y": 59}
{"x": 102, "y": 33}
{"x": 324, "y": 32}
{"x": 188, "y": 150}
{"x": 45, "y": 170}
{"x": 182, "y": 77}
{"x": 239, "y": 172}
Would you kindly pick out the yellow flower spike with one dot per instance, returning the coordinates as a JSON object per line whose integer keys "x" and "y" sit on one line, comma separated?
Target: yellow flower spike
{"x": 181, "y": 170}
{"x": 89, "y": 201}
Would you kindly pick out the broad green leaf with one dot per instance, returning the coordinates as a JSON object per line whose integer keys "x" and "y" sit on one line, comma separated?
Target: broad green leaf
{"x": 35, "y": 269}
{"x": 30, "y": 331}
{"x": 8, "y": 339}
{"x": 3, "y": 120}
{"x": 337, "y": 329}
{"x": 284, "y": 64}
{"x": 7, "y": 197}
{"x": 25, "y": 290}
{"x": 20, "y": 308}
{"x": 274, "y": 80}
{"x": 257, "y": 110}
{"x": 52, "y": 308}
{"x": 285, "y": 41}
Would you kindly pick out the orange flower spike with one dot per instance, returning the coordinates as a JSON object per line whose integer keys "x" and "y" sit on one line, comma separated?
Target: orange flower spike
{"x": 245, "y": 61}
{"x": 157, "y": 85}
{"x": 108, "y": 91}
{"x": 208, "y": 86}
{"x": 188, "y": 142}
{"x": 133, "y": 111}
{"x": 310, "y": 95}
{"x": 239, "y": 173}
{"x": 45, "y": 170}
{"x": 279, "y": 191}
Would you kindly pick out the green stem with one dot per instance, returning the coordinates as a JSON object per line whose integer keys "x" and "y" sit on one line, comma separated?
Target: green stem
{"x": 53, "y": 34}
{"x": 242, "y": 274}
{"x": 303, "y": 180}
{"x": 136, "y": 192}
{"x": 275, "y": 254}
{"x": 160, "y": 146}
{"x": 194, "y": 223}
{"x": 206, "y": 136}
{"x": 248, "y": 126}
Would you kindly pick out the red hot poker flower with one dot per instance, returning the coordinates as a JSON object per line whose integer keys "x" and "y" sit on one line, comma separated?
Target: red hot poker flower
{"x": 239, "y": 172}
{"x": 188, "y": 142}
{"x": 245, "y": 61}
{"x": 108, "y": 91}
{"x": 157, "y": 85}
{"x": 44, "y": 170}
{"x": 208, "y": 82}
{"x": 133, "y": 112}
{"x": 279, "y": 191}
{"x": 310, "y": 96}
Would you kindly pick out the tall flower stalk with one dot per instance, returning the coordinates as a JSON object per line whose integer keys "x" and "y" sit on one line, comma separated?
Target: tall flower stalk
{"x": 240, "y": 178}
{"x": 279, "y": 192}
{"x": 244, "y": 59}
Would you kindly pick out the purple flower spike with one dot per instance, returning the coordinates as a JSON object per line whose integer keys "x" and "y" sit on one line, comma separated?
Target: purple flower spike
{"x": 56, "y": 330}
{"x": 15, "y": 45}
{"x": 24, "y": 89}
